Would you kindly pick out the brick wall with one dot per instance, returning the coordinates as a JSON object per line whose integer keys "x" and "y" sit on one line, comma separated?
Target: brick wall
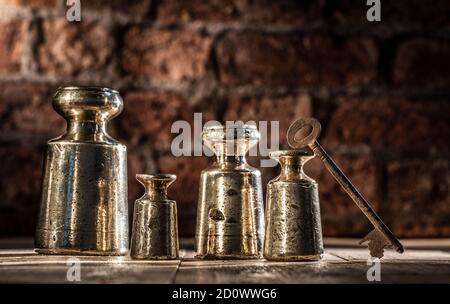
{"x": 381, "y": 91}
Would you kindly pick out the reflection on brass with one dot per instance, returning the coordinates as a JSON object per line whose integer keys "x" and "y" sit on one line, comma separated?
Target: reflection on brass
{"x": 155, "y": 225}
{"x": 230, "y": 218}
{"x": 293, "y": 228}
{"x": 84, "y": 207}
{"x": 382, "y": 236}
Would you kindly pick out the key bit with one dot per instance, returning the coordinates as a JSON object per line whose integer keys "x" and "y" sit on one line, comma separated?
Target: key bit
{"x": 376, "y": 243}
{"x": 378, "y": 239}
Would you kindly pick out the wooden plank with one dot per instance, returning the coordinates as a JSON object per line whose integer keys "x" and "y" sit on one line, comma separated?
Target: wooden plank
{"x": 192, "y": 270}
{"x": 443, "y": 244}
{"x": 353, "y": 254}
{"x": 29, "y": 267}
{"x": 240, "y": 272}
{"x": 339, "y": 265}
{"x": 414, "y": 268}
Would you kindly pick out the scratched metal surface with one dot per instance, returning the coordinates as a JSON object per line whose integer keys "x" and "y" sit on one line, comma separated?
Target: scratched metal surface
{"x": 342, "y": 263}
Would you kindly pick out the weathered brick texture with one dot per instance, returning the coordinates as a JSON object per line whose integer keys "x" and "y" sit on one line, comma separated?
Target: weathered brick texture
{"x": 261, "y": 12}
{"x": 68, "y": 48}
{"x": 131, "y": 7}
{"x": 162, "y": 55}
{"x": 390, "y": 122}
{"x": 136, "y": 164}
{"x": 254, "y": 58}
{"x": 27, "y": 109}
{"x": 148, "y": 116}
{"x": 20, "y": 186}
{"x": 30, "y": 3}
{"x": 395, "y": 14}
{"x": 419, "y": 197}
{"x": 12, "y": 40}
{"x": 421, "y": 62}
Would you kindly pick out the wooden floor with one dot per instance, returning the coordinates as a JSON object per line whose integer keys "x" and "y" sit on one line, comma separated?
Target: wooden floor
{"x": 424, "y": 261}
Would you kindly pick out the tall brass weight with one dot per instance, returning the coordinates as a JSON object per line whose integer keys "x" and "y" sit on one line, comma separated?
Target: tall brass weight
{"x": 84, "y": 206}
{"x": 230, "y": 219}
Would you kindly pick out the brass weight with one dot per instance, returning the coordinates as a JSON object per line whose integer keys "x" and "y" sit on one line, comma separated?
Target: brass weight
{"x": 84, "y": 208}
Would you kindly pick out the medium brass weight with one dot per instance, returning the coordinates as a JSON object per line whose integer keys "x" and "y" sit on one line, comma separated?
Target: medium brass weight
{"x": 381, "y": 236}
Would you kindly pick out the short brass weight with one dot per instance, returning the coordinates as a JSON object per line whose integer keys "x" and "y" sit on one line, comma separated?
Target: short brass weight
{"x": 155, "y": 224}
{"x": 381, "y": 236}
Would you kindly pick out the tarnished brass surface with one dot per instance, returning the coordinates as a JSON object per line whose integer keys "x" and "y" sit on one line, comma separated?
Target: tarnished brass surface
{"x": 155, "y": 224}
{"x": 230, "y": 218}
{"x": 293, "y": 228}
{"x": 381, "y": 236}
{"x": 84, "y": 207}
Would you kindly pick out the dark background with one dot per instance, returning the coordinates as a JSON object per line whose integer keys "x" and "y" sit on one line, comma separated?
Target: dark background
{"x": 381, "y": 91}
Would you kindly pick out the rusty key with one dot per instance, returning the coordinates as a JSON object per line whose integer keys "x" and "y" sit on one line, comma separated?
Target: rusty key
{"x": 381, "y": 236}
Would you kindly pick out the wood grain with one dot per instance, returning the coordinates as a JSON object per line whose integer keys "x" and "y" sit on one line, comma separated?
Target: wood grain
{"x": 340, "y": 264}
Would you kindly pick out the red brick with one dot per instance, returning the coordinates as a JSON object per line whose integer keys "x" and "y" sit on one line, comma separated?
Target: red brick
{"x": 159, "y": 54}
{"x": 30, "y": 3}
{"x": 12, "y": 39}
{"x": 284, "y": 109}
{"x": 132, "y": 7}
{"x": 27, "y": 109}
{"x": 20, "y": 187}
{"x": 185, "y": 189}
{"x": 419, "y": 198}
{"x": 421, "y": 62}
{"x": 70, "y": 47}
{"x": 136, "y": 164}
{"x": 398, "y": 13}
{"x": 260, "y": 11}
{"x": 267, "y": 173}
{"x": 256, "y": 58}
{"x": 340, "y": 215}
{"x": 149, "y": 115}
{"x": 196, "y": 10}
{"x": 389, "y": 122}
{"x": 416, "y": 12}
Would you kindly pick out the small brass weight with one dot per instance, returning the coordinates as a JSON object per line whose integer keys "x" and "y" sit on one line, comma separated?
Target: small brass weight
{"x": 155, "y": 224}
{"x": 381, "y": 236}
